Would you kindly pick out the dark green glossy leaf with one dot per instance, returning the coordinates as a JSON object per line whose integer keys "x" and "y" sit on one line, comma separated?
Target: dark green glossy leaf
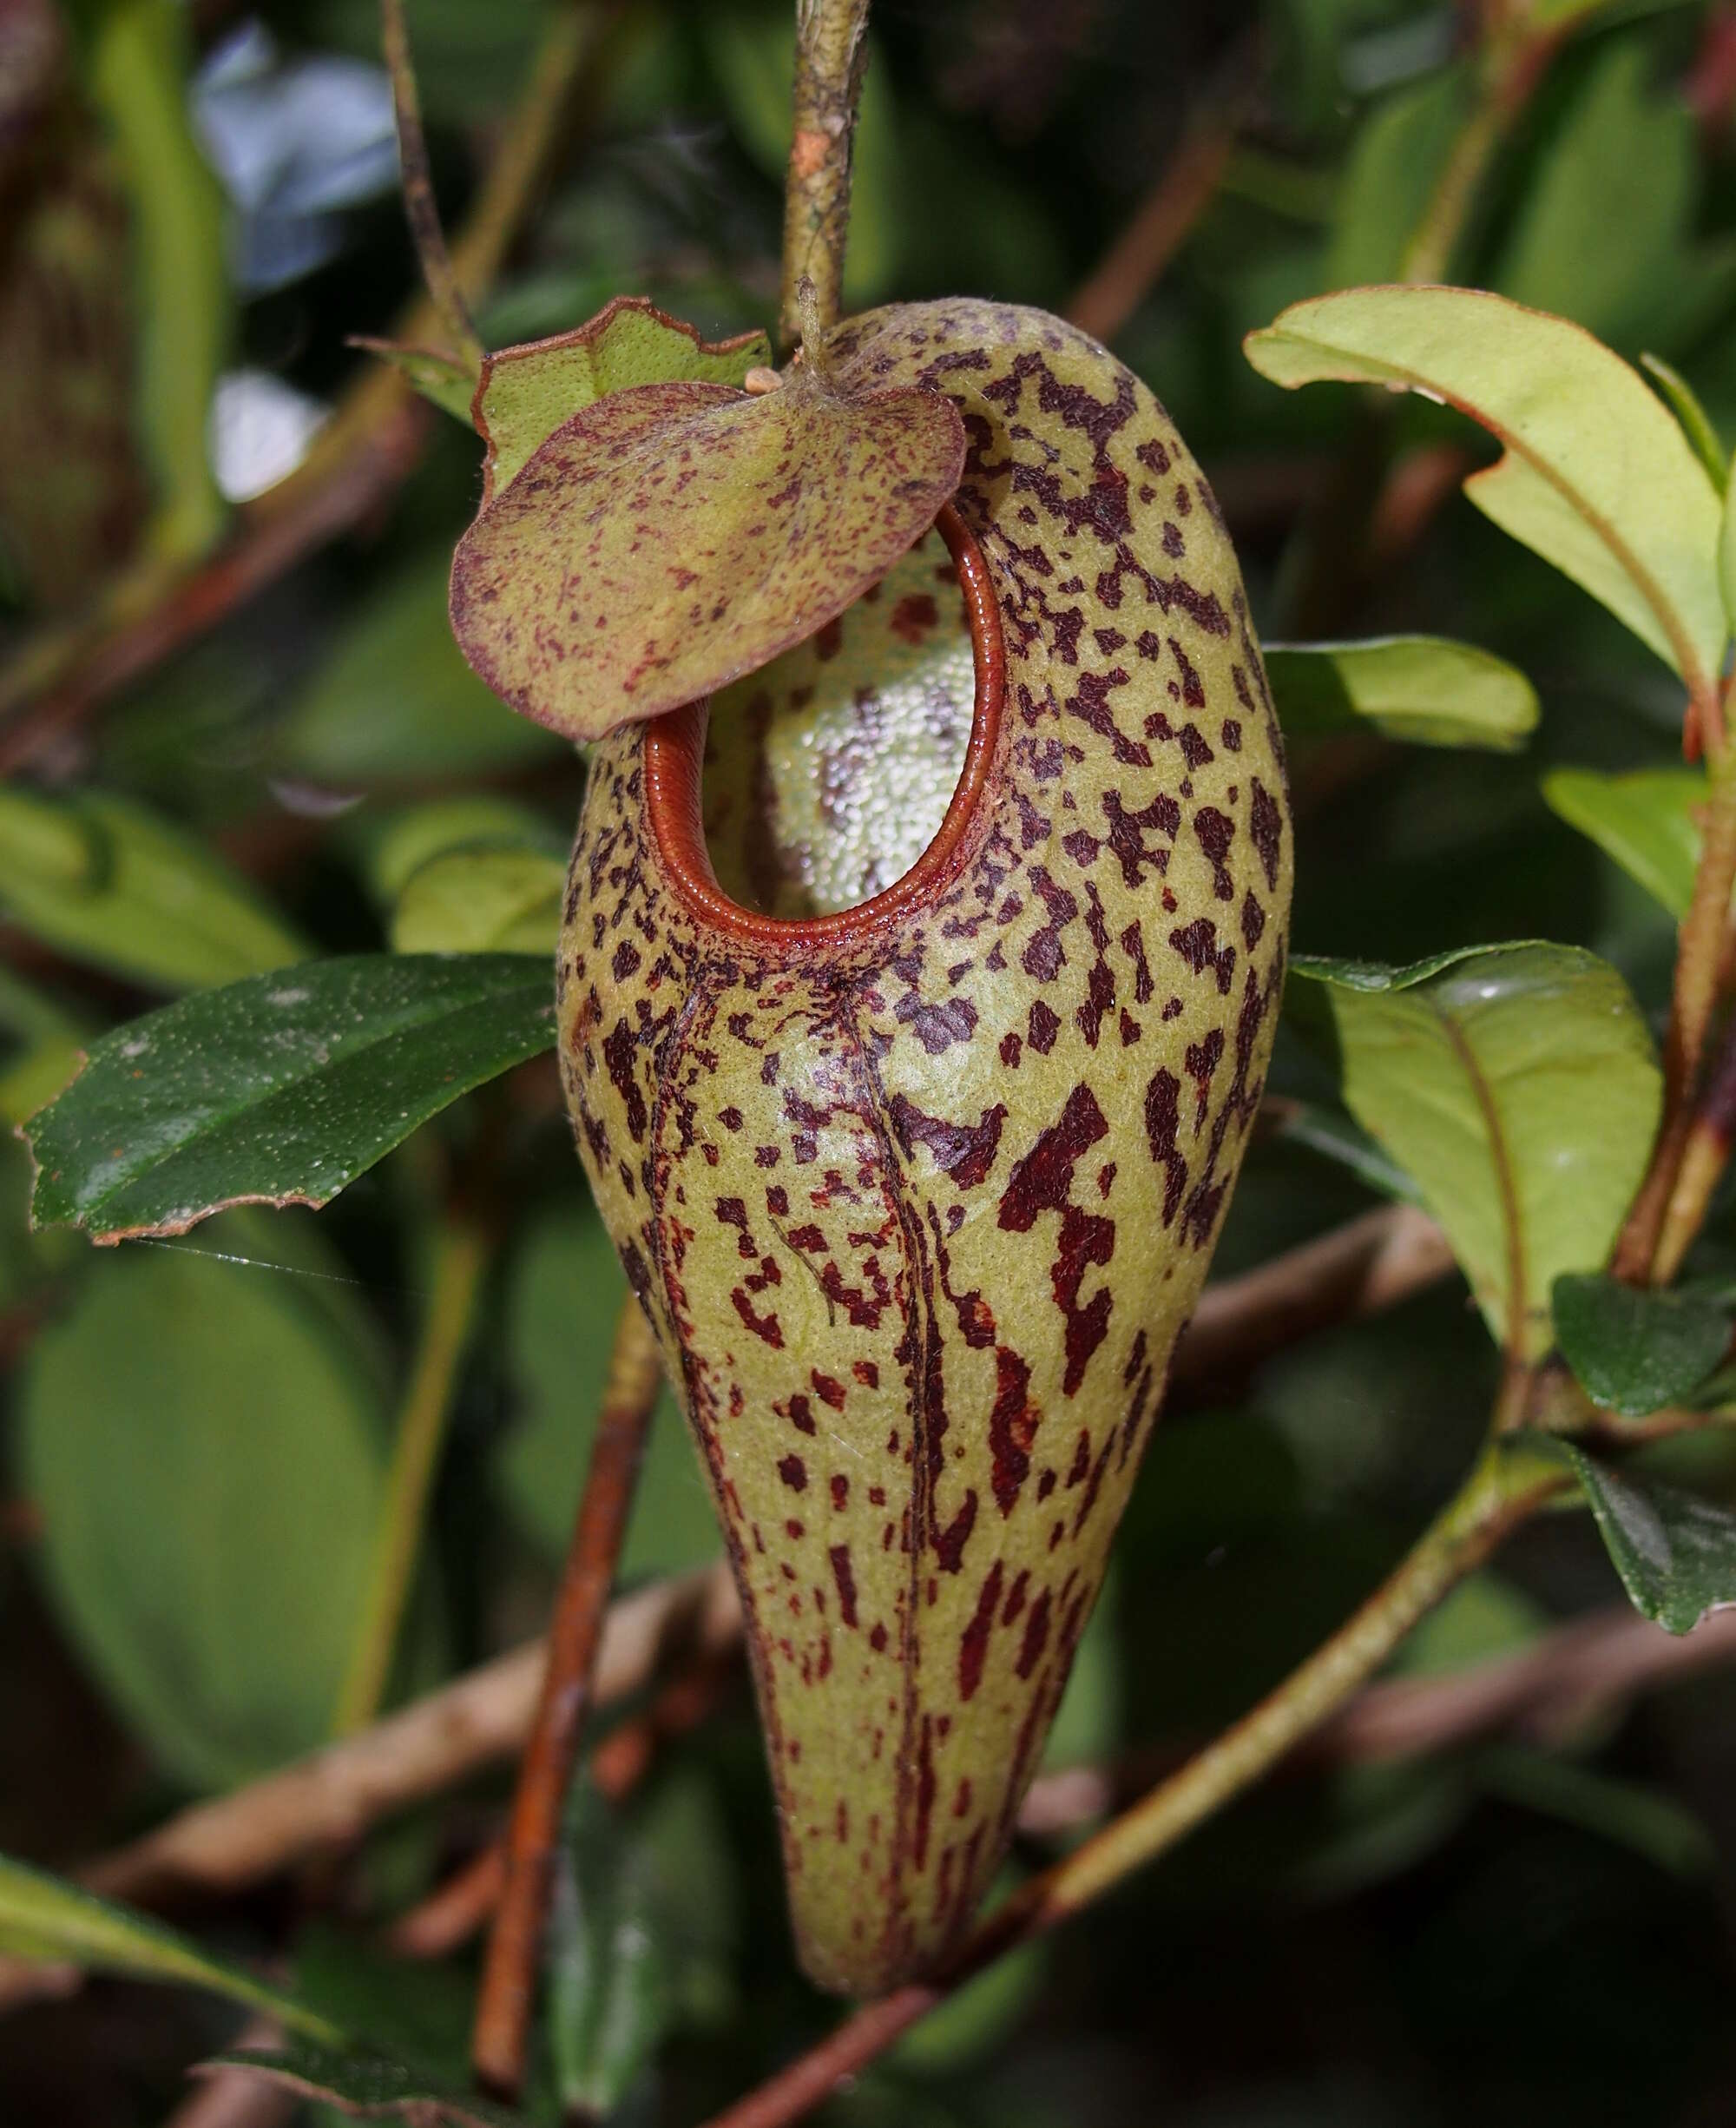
{"x": 1647, "y": 820}
{"x": 104, "y": 880}
{"x": 1518, "y": 1086}
{"x": 278, "y": 1090}
{"x": 1418, "y": 687}
{"x": 43, "y": 1917}
{"x": 369, "y": 2086}
{"x": 1675, "y": 1553}
{"x": 1636, "y": 1350}
{"x": 205, "y": 1443}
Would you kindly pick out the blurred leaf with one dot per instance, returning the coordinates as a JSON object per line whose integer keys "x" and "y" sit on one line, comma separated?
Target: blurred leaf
{"x": 1636, "y": 528}
{"x": 1697, "y": 424}
{"x": 781, "y": 509}
{"x": 369, "y": 2087}
{"x": 43, "y": 1917}
{"x": 1645, "y": 820}
{"x": 608, "y": 2004}
{"x": 1634, "y": 1349}
{"x": 1334, "y": 1136}
{"x": 207, "y": 1451}
{"x": 394, "y": 698}
{"x": 1089, "y": 1727}
{"x": 1676, "y": 1554}
{"x": 1602, "y": 227}
{"x": 481, "y": 901}
{"x": 1518, "y": 1085}
{"x": 528, "y": 392}
{"x": 1645, "y": 1820}
{"x": 396, "y": 845}
{"x": 102, "y": 880}
{"x": 1420, "y": 687}
{"x": 281, "y": 1090}
{"x": 450, "y": 383}
{"x": 1485, "y": 1615}
{"x": 567, "y": 1290}
{"x": 1400, "y": 153}
{"x": 415, "y": 2010}
{"x": 138, "y": 69}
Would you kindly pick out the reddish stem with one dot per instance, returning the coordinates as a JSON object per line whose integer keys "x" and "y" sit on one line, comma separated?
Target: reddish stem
{"x": 514, "y": 1948}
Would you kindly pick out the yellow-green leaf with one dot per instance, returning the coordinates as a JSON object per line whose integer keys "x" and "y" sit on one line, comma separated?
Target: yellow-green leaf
{"x": 1517, "y": 1086}
{"x": 1647, "y": 820}
{"x": 527, "y": 392}
{"x": 668, "y": 539}
{"x": 481, "y": 901}
{"x": 43, "y": 1917}
{"x": 1595, "y": 476}
{"x": 102, "y": 880}
{"x": 1418, "y": 687}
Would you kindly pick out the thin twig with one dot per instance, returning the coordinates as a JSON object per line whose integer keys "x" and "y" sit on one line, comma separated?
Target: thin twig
{"x": 1359, "y": 1269}
{"x": 235, "y": 2098}
{"x": 1700, "y": 963}
{"x": 1133, "y": 264}
{"x": 509, "y": 1983}
{"x": 455, "y": 1911}
{"x": 460, "y": 1256}
{"x": 1573, "y": 1676}
{"x": 832, "y": 57}
{"x": 332, "y": 1796}
{"x": 1706, "y": 1154}
{"x": 1488, "y": 1506}
{"x": 419, "y": 206}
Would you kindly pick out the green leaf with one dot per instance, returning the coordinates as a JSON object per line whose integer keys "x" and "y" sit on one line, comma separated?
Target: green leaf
{"x": 1645, "y": 820}
{"x": 1646, "y": 1820}
{"x": 528, "y": 392}
{"x": 1697, "y": 424}
{"x": 1634, "y": 1349}
{"x": 1395, "y": 161}
{"x": 394, "y": 699}
{"x": 1634, "y": 527}
{"x": 1420, "y": 687}
{"x": 206, "y": 1450}
{"x": 369, "y": 2086}
{"x": 442, "y": 377}
{"x": 278, "y": 1090}
{"x": 100, "y": 879}
{"x": 481, "y": 901}
{"x": 768, "y": 517}
{"x": 566, "y": 1292}
{"x": 1602, "y": 227}
{"x": 43, "y": 1917}
{"x": 608, "y": 2000}
{"x": 1675, "y": 1553}
{"x": 1518, "y": 1086}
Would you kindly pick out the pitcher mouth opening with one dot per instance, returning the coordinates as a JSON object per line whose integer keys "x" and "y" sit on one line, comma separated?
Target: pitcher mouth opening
{"x": 674, "y": 764}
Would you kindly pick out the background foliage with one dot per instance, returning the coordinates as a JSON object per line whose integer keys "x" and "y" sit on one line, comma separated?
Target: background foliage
{"x": 197, "y": 206}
